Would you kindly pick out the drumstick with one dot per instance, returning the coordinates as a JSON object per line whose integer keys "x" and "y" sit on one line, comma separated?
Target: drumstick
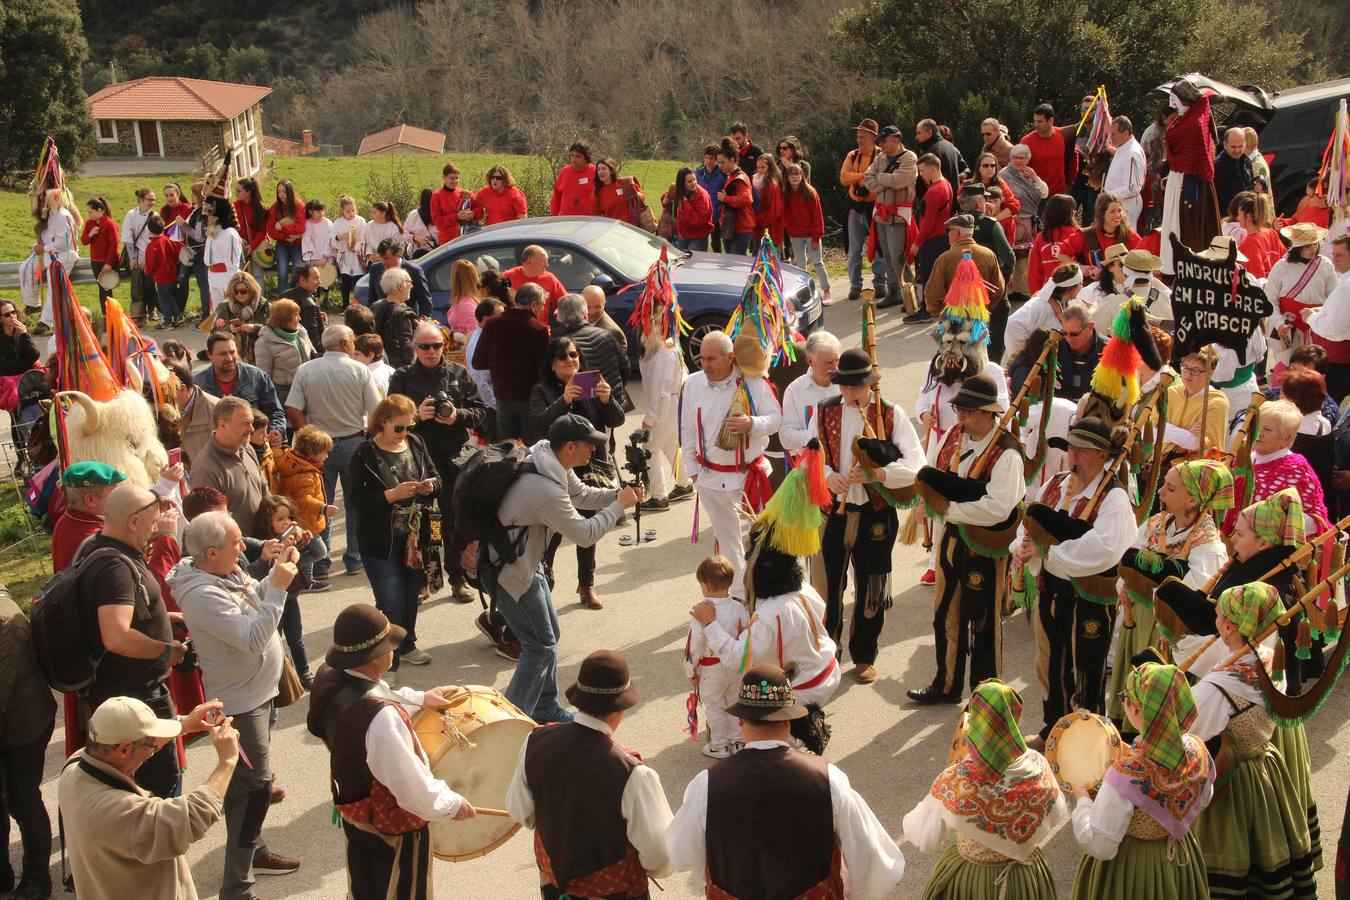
{"x": 486, "y": 811}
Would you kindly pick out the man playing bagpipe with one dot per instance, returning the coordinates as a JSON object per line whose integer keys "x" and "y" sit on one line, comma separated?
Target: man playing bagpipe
{"x": 1075, "y": 533}
{"x": 871, "y": 449}
{"x": 972, "y": 488}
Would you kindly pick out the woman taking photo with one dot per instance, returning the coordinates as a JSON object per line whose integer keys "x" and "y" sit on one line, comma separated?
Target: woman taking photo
{"x": 282, "y": 346}
{"x": 100, "y": 236}
{"x": 691, "y": 208}
{"x": 768, "y": 181}
{"x": 286, "y": 227}
{"x": 243, "y": 312}
{"x": 394, "y": 486}
{"x": 614, "y": 196}
{"x": 555, "y": 395}
{"x": 500, "y": 200}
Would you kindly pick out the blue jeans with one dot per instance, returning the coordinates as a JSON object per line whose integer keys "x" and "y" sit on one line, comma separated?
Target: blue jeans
{"x": 288, "y": 256}
{"x": 739, "y": 243}
{"x": 335, "y": 468}
{"x": 693, "y": 245}
{"x": 396, "y": 589}
{"x": 859, "y": 224}
{"x": 315, "y": 551}
{"x": 168, "y": 303}
{"x": 534, "y": 622}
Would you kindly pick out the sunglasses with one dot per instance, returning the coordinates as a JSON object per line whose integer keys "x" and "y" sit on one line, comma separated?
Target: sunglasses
{"x": 8, "y": 315}
{"x": 496, "y": 178}
{"x": 988, "y": 166}
{"x": 242, "y": 290}
{"x": 399, "y": 429}
{"x": 429, "y": 346}
{"x": 569, "y": 355}
{"x": 1074, "y": 334}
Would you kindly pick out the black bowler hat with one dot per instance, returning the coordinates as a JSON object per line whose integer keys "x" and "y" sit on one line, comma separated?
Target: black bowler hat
{"x": 766, "y": 696}
{"x": 603, "y": 685}
{"x": 855, "y": 369}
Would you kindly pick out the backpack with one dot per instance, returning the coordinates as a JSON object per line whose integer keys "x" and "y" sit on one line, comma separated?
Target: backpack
{"x": 64, "y": 653}
{"x": 482, "y": 482}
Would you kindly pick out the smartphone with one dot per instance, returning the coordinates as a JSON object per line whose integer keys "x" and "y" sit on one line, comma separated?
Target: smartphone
{"x": 292, "y": 534}
{"x": 587, "y": 381}
{"x": 175, "y": 456}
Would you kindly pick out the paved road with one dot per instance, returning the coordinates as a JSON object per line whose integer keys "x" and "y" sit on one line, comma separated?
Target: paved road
{"x": 890, "y": 749}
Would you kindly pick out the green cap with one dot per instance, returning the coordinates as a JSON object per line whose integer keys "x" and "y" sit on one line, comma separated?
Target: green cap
{"x": 91, "y": 473}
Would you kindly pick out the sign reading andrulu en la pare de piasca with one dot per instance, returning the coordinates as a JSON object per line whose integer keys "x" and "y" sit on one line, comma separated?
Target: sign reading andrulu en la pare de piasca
{"x": 1214, "y": 301}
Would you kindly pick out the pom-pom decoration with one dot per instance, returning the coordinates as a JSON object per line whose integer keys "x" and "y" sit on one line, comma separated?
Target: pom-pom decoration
{"x": 1117, "y": 374}
{"x": 812, "y": 460}
{"x": 791, "y": 520}
{"x": 968, "y": 298}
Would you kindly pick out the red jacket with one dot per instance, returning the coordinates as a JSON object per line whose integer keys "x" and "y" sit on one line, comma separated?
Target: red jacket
{"x": 574, "y": 192}
{"x": 1190, "y": 143}
{"x": 169, "y": 213}
{"x": 548, "y": 281}
{"x": 286, "y": 234}
{"x": 937, "y": 209}
{"x": 693, "y": 217}
{"x": 493, "y": 207}
{"x": 740, "y": 198}
{"x": 161, "y": 259}
{"x": 802, "y": 215}
{"x": 612, "y": 199}
{"x": 769, "y": 219}
{"x": 1044, "y": 258}
{"x": 251, "y": 236}
{"x": 445, "y": 207}
{"x": 102, "y": 246}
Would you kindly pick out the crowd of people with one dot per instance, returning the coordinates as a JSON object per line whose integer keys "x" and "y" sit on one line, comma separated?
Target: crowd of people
{"x": 188, "y": 588}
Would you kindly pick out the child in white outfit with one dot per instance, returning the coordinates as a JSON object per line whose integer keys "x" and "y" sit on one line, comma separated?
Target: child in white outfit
{"x": 717, "y": 681}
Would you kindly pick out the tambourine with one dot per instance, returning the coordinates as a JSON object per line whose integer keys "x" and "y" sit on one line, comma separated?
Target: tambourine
{"x": 328, "y": 274}
{"x": 187, "y": 257}
{"x": 108, "y": 279}
{"x": 1080, "y": 748}
{"x": 265, "y": 256}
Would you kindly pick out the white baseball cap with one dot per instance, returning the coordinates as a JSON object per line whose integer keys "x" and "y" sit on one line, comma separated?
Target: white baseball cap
{"x": 121, "y": 719}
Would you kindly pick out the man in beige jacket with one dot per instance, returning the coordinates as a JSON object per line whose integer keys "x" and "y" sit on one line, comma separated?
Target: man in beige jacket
{"x": 123, "y": 842}
{"x": 891, "y": 177}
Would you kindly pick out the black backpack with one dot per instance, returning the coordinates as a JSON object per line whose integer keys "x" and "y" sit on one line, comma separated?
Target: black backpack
{"x": 64, "y": 653}
{"x": 483, "y": 481}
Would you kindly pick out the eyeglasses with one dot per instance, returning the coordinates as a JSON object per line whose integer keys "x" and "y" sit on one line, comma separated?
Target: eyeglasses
{"x": 988, "y": 166}
{"x": 429, "y": 346}
{"x": 1074, "y": 334}
{"x": 399, "y": 429}
{"x": 571, "y": 354}
{"x": 1192, "y": 370}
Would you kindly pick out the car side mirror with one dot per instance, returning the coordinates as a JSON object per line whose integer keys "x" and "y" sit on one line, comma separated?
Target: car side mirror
{"x": 605, "y": 283}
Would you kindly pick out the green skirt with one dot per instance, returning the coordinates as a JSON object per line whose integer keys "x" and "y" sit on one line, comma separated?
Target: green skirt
{"x": 1293, "y": 746}
{"x": 1142, "y": 869}
{"x": 1131, "y": 642}
{"x": 1255, "y": 839}
{"x": 958, "y": 878}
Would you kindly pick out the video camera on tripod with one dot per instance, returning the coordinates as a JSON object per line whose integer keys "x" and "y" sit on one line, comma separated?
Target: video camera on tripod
{"x": 637, "y": 463}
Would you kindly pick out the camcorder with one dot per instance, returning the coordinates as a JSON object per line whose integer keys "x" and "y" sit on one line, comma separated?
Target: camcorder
{"x": 637, "y": 457}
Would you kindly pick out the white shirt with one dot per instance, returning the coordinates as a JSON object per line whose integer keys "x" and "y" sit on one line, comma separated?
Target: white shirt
{"x": 349, "y": 257}
{"x": 378, "y": 231}
{"x": 414, "y": 227}
{"x": 1284, "y": 275}
{"x": 317, "y": 241}
{"x": 873, "y": 864}
{"x": 731, "y": 617}
{"x": 1100, "y": 824}
{"x": 1113, "y": 532}
{"x": 1212, "y": 709}
{"x": 380, "y": 373}
{"x": 1062, "y": 413}
{"x": 58, "y": 236}
{"x": 799, "y": 410}
{"x": 1332, "y": 321}
{"x": 796, "y": 623}
{"x": 895, "y": 475}
{"x": 397, "y": 765}
{"x": 482, "y": 378}
{"x": 935, "y": 399}
{"x": 1157, "y": 304}
{"x": 643, "y": 805}
{"x": 225, "y": 246}
{"x": 714, "y": 400}
{"x": 1125, "y": 177}
{"x": 1006, "y": 488}
{"x": 662, "y": 375}
{"x": 135, "y": 236}
{"x": 1314, "y": 423}
{"x": 335, "y": 392}
{"x": 1035, "y": 314}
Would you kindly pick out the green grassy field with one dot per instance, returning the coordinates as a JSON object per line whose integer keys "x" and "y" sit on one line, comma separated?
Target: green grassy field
{"x": 365, "y": 178}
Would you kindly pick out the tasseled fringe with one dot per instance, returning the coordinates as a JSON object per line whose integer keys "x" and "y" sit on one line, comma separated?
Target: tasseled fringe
{"x": 813, "y": 461}
{"x": 1277, "y": 662}
{"x": 911, "y": 529}
{"x": 1303, "y": 648}
{"x": 1024, "y": 590}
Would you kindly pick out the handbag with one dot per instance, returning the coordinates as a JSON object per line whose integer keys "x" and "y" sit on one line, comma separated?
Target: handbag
{"x": 639, "y": 213}
{"x": 666, "y": 226}
{"x": 289, "y": 688}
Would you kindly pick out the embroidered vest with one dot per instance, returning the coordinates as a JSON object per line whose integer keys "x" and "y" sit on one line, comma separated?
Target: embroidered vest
{"x": 948, "y": 461}
{"x": 831, "y": 427}
{"x": 1054, "y": 492}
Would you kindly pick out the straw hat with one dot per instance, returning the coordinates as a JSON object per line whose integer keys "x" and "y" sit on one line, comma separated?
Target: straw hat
{"x": 1301, "y": 234}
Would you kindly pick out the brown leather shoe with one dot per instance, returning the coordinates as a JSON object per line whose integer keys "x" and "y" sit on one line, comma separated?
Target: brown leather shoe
{"x": 865, "y": 674}
{"x": 589, "y": 598}
{"x": 460, "y": 593}
{"x": 278, "y": 793}
{"x": 270, "y": 863}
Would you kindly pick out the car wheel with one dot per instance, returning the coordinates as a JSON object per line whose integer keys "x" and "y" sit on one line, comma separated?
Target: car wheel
{"x": 694, "y": 339}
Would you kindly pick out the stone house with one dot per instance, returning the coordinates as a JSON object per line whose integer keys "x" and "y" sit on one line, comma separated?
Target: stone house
{"x": 180, "y": 119}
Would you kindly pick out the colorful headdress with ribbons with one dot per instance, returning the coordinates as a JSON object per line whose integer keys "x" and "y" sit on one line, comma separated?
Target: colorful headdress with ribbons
{"x": 1167, "y": 708}
{"x": 132, "y": 357}
{"x": 1209, "y": 482}
{"x": 967, "y": 300}
{"x": 1333, "y": 177}
{"x": 1278, "y": 519}
{"x": 1099, "y": 134}
{"x": 993, "y": 732}
{"x": 1252, "y": 608}
{"x": 49, "y": 176}
{"x": 657, "y": 310}
{"x": 763, "y": 311}
{"x": 80, "y": 362}
{"x": 791, "y": 520}
{"x": 1130, "y": 343}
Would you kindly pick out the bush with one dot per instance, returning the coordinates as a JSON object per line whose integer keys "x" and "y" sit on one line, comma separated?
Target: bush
{"x": 535, "y": 177}
{"x": 393, "y": 186}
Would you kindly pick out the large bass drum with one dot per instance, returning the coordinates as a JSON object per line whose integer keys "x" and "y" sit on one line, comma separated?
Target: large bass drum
{"x": 472, "y": 746}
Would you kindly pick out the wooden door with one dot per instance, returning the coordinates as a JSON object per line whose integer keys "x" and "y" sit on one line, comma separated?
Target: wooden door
{"x": 149, "y": 138}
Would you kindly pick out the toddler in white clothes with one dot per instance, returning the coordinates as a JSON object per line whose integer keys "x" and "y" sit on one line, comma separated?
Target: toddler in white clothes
{"x": 717, "y": 681}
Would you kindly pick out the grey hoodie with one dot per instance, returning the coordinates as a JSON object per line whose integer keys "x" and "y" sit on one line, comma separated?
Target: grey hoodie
{"x": 233, "y": 620}
{"x": 547, "y": 503}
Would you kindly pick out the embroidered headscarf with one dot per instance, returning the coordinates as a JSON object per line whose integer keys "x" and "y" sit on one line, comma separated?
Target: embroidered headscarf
{"x": 1209, "y": 482}
{"x": 993, "y": 733}
{"x": 1252, "y": 608}
{"x": 1278, "y": 519}
{"x": 1167, "y": 709}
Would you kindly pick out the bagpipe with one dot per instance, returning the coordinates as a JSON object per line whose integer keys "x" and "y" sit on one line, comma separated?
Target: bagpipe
{"x": 873, "y": 449}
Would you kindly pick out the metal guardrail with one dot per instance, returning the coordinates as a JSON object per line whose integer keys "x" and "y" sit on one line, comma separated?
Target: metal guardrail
{"x": 81, "y": 273}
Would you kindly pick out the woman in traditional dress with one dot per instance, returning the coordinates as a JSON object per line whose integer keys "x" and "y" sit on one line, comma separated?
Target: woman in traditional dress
{"x": 1301, "y": 280}
{"x": 1001, "y": 801}
{"x": 1190, "y": 206}
{"x": 223, "y": 248}
{"x": 1255, "y": 836}
{"x": 1136, "y": 833}
{"x": 1182, "y": 540}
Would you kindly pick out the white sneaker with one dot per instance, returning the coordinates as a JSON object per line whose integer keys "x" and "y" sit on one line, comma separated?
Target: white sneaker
{"x": 416, "y": 657}
{"x": 717, "y": 751}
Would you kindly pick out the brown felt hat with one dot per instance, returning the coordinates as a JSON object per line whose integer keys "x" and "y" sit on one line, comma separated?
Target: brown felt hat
{"x": 603, "y": 684}
{"x": 362, "y": 633}
{"x": 766, "y": 696}
{"x": 869, "y": 125}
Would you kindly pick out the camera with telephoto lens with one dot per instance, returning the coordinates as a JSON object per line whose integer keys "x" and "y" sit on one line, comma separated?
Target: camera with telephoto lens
{"x": 444, "y": 408}
{"x": 636, "y": 455}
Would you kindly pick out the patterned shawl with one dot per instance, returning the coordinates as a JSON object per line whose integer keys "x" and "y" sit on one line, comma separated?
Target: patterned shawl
{"x": 1278, "y": 519}
{"x": 1171, "y": 797}
{"x": 1251, "y": 607}
{"x": 1209, "y": 482}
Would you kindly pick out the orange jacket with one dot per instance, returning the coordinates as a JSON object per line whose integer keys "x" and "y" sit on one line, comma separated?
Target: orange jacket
{"x": 302, "y": 481}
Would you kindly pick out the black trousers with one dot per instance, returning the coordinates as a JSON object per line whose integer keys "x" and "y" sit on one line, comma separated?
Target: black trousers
{"x": 967, "y": 613}
{"x": 861, "y": 538}
{"x": 449, "y": 472}
{"x": 998, "y": 321}
{"x": 585, "y": 557}
{"x": 21, "y": 797}
{"x": 1078, "y": 636}
{"x": 372, "y": 864}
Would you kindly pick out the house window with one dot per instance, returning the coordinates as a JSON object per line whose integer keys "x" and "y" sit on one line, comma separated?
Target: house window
{"x": 249, "y": 122}
{"x": 234, "y": 125}
{"x": 253, "y": 156}
{"x": 107, "y": 131}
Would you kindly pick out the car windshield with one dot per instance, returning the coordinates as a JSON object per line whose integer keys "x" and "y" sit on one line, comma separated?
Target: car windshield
{"x": 628, "y": 249}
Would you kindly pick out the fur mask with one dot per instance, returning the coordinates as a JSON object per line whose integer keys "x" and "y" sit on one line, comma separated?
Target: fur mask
{"x": 960, "y": 354}
{"x": 770, "y": 572}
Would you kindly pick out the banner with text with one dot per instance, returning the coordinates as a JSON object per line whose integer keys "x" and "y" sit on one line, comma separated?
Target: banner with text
{"x": 1214, "y": 302}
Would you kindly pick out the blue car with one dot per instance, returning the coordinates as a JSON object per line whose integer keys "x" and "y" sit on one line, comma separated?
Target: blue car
{"x": 586, "y": 250}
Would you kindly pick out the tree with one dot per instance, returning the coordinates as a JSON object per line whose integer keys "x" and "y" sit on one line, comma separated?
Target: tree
{"x": 42, "y": 54}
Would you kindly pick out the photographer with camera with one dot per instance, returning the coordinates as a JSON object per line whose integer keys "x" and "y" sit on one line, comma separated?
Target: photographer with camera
{"x": 448, "y": 409}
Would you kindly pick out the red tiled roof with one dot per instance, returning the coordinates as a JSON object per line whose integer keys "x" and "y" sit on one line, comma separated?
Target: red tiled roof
{"x": 407, "y": 135}
{"x": 171, "y": 98}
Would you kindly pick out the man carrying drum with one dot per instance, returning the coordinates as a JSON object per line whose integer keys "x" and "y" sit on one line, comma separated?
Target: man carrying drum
{"x": 576, "y": 773}
{"x": 381, "y": 783}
